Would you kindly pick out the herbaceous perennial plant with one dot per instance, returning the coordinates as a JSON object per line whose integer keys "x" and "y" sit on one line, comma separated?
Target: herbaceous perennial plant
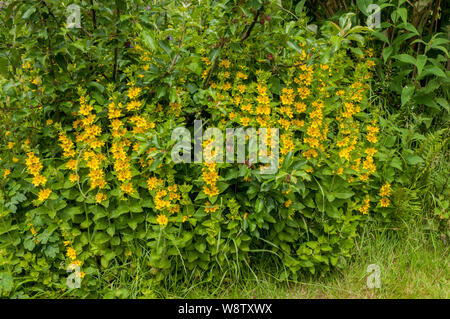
{"x": 97, "y": 187}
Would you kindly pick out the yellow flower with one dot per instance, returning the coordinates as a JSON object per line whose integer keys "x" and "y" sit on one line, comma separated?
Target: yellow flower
{"x": 44, "y": 194}
{"x": 127, "y": 188}
{"x": 211, "y": 209}
{"x": 245, "y": 120}
{"x": 152, "y": 183}
{"x": 11, "y": 145}
{"x": 6, "y": 173}
{"x": 384, "y": 202}
{"x": 225, "y": 63}
{"x": 288, "y": 203}
{"x": 71, "y": 164}
{"x": 385, "y": 190}
{"x": 133, "y": 92}
{"x": 212, "y": 191}
{"x": 100, "y": 197}
{"x": 71, "y": 253}
{"x": 365, "y": 208}
{"x": 73, "y": 178}
{"x": 162, "y": 220}
{"x": 39, "y": 180}
{"x": 49, "y": 122}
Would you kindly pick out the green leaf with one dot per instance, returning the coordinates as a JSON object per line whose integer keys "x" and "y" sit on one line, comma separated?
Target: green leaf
{"x": 407, "y": 93}
{"x": 299, "y": 8}
{"x": 382, "y": 37}
{"x": 259, "y": 205}
{"x": 4, "y": 67}
{"x": 200, "y": 247}
{"x": 97, "y": 85}
{"x": 122, "y": 209}
{"x": 294, "y": 46}
{"x": 396, "y": 163}
{"x": 387, "y": 51}
{"x": 28, "y": 13}
{"x": 343, "y": 195}
{"x": 432, "y": 69}
{"x": 101, "y": 238}
{"x": 412, "y": 159}
{"x": 149, "y": 41}
{"x": 421, "y": 61}
{"x": 6, "y": 282}
{"x": 405, "y": 58}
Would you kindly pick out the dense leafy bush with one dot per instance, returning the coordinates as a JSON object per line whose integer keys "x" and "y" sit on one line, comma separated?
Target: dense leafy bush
{"x": 87, "y": 176}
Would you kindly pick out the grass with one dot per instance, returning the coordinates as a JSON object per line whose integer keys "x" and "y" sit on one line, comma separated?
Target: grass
{"x": 413, "y": 264}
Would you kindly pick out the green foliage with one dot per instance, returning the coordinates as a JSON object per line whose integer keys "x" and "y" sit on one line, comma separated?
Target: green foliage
{"x": 87, "y": 177}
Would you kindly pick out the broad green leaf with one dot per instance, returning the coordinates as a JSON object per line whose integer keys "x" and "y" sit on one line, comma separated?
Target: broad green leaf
{"x": 421, "y": 61}
{"x": 407, "y": 93}
{"x": 405, "y": 58}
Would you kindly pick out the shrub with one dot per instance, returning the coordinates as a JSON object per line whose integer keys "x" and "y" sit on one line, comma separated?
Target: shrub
{"x": 87, "y": 173}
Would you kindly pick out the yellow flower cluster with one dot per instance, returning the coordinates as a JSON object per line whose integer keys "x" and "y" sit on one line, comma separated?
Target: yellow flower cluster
{"x": 140, "y": 124}
{"x": 153, "y": 183}
{"x": 263, "y": 107}
{"x": 209, "y": 208}
{"x": 373, "y": 130}
{"x": 175, "y": 108}
{"x": 365, "y": 207}
{"x": 317, "y": 130}
{"x": 6, "y": 173}
{"x": 287, "y": 144}
{"x": 100, "y": 197}
{"x": 165, "y": 198}
{"x": 34, "y": 167}
{"x": 162, "y": 220}
{"x": 385, "y": 193}
{"x": 96, "y": 174}
{"x": 67, "y": 146}
{"x": 114, "y": 111}
{"x": 134, "y": 104}
{"x": 122, "y": 165}
{"x": 72, "y": 254}
{"x": 210, "y": 177}
{"x": 44, "y": 194}
{"x": 160, "y": 201}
